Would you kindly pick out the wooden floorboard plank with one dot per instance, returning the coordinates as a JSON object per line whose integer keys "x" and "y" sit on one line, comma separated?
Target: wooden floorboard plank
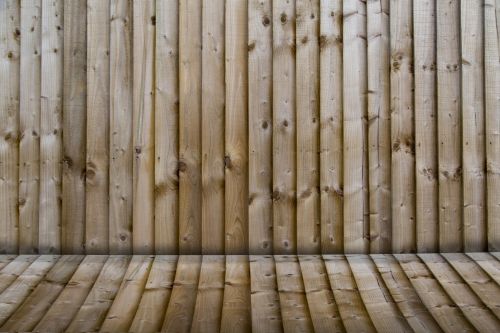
{"x": 6, "y": 259}
{"x": 10, "y": 272}
{"x": 266, "y": 315}
{"x": 487, "y": 262}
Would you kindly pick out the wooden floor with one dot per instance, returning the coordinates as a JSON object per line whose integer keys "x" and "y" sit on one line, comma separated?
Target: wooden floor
{"x": 329, "y": 293}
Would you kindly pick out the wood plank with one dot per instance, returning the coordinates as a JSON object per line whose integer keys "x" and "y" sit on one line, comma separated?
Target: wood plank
{"x": 307, "y": 90}
{"x": 477, "y": 279}
{"x": 236, "y": 130}
{"x": 402, "y": 128}
{"x": 331, "y": 119}
{"x": 67, "y": 304}
{"x": 29, "y": 124}
{"x": 382, "y": 309}
{"x": 15, "y": 268}
{"x": 472, "y": 307}
{"x": 260, "y": 136}
{"x": 492, "y": 118}
{"x": 449, "y": 125}
{"x": 236, "y": 309}
{"x": 379, "y": 124}
{"x": 212, "y": 127}
{"x": 167, "y": 127}
{"x": 266, "y": 315}
{"x": 144, "y": 22}
{"x": 179, "y": 315}
{"x": 403, "y": 294}
{"x": 93, "y": 311}
{"x": 190, "y": 39}
{"x": 488, "y": 263}
{"x": 426, "y": 173}
{"x": 294, "y": 308}
{"x": 208, "y": 308}
{"x": 40, "y": 300}
{"x": 6, "y": 259}
{"x": 10, "y": 30}
{"x": 438, "y": 303}
{"x": 12, "y": 297}
{"x": 325, "y": 314}
{"x": 98, "y": 96}
{"x": 156, "y": 294}
{"x": 355, "y": 153}
{"x": 74, "y": 126}
{"x": 346, "y": 294}
{"x": 284, "y": 144}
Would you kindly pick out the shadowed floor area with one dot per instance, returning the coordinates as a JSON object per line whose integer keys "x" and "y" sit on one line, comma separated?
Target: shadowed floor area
{"x": 305, "y": 293}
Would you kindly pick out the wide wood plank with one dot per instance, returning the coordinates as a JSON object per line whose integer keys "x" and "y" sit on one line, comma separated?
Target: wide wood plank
{"x": 487, "y": 262}
{"x": 10, "y": 272}
{"x": 5, "y": 259}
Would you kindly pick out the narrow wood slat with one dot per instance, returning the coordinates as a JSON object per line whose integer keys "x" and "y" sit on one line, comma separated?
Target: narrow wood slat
{"x": 208, "y": 309}
{"x": 6, "y": 259}
{"x": 487, "y": 262}
{"x": 403, "y": 294}
{"x": 325, "y": 314}
{"x": 190, "y": 39}
{"x": 331, "y": 119}
{"x": 346, "y": 294}
{"x": 11, "y": 272}
{"x": 40, "y": 300}
{"x": 379, "y": 124}
{"x": 294, "y": 308}
{"x": 266, "y": 315}
{"x": 29, "y": 124}
{"x": 212, "y": 127}
{"x": 284, "y": 144}
{"x": 438, "y": 303}
{"x": 98, "y": 96}
{"x": 260, "y": 80}
{"x": 144, "y": 22}
{"x": 179, "y": 315}
{"x": 93, "y": 311}
{"x": 120, "y": 127}
{"x": 69, "y": 301}
{"x": 355, "y": 141}
{"x": 154, "y": 300}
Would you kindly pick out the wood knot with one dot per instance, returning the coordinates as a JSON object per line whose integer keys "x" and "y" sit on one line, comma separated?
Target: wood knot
{"x": 266, "y": 21}
{"x": 227, "y": 162}
{"x": 283, "y": 18}
{"x": 182, "y": 166}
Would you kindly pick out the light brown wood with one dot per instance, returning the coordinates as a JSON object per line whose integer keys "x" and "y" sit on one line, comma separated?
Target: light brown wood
{"x": 166, "y": 127}
{"x": 284, "y": 144}
{"x": 6, "y": 259}
{"x": 488, "y": 263}
{"x": 212, "y": 127}
{"x": 29, "y": 125}
{"x": 379, "y": 124}
{"x": 331, "y": 119}
{"x": 120, "y": 127}
{"x": 98, "y": 96}
{"x": 190, "y": 196}
{"x": 355, "y": 140}
{"x": 426, "y": 149}
{"x": 10, "y": 272}
{"x": 74, "y": 126}
{"x": 260, "y": 129}
{"x": 144, "y": 22}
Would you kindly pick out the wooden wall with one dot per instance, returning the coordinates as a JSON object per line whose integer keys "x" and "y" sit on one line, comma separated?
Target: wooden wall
{"x": 249, "y": 126}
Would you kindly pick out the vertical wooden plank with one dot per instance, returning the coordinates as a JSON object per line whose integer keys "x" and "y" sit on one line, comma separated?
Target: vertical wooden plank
{"x": 144, "y": 22}
{"x": 166, "y": 127}
{"x": 29, "y": 122}
{"x": 426, "y": 173}
{"x": 190, "y": 39}
{"x": 307, "y": 89}
{"x": 120, "y": 104}
{"x": 212, "y": 127}
{"x": 402, "y": 128}
{"x": 74, "y": 126}
{"x": 260, "y": 80}
{"x": 356, "y": 222}
{"x": 473, "y": 144}
{"x": 10, "y": 30}
{"x": 492, "y": 105}
{"x": 97, "y": 188}
{"x": 449, "y": 126}
{"x": 331, "y": 118}
{"x": 49, "y": 240}
{"x": 284, "y": 144}
{"x": 236, "y": 130}
{"x": 379, "y": 125}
